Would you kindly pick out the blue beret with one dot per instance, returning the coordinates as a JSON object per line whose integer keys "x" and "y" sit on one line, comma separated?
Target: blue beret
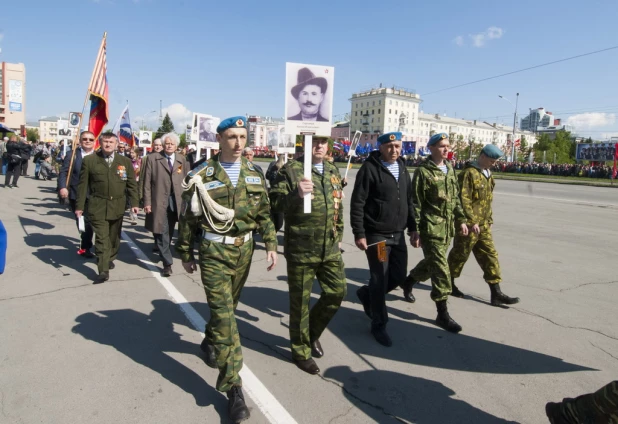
{"x": 436, "y": 138}
{"x": 492, "y": 151}
{"x": 388, "y": 137}
{"x": 233, "y": 122}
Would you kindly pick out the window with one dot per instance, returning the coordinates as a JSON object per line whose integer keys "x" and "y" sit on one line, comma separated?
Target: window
{"x": 372, "y": 120}
{"x": 362, "y": 105}
{"x": 356, "y": 113}
{"x": 373, "y": 103}
{"x": 390, "y": 111}
{"x": 379, "y": 111}
{"x": 396, "y": 103}
{"x": 372, "y": 110}
{"x": 378, "y": 119}
{"x": 395, "y": 111}
{"x": 379, "y": 102}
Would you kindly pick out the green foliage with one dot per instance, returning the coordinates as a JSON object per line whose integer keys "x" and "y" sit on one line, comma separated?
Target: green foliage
{"x": 562, "y": 147}
{"x": 166, "y": 126}
{"x": 32, "y": 134}
{"x": 183, "y": 141}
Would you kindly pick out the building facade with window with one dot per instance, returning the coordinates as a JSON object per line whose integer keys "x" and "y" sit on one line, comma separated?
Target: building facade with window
{"x": 13, "y": 95}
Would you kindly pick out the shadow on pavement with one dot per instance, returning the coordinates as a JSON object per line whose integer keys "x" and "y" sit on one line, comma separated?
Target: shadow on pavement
{"x": 413, "y": 399}
{"x": 147, "y": 339}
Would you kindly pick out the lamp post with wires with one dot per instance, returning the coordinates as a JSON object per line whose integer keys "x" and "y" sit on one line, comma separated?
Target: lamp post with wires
{"x": 514, "y": 124}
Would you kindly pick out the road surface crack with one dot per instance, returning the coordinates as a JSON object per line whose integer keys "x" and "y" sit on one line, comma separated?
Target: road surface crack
{"x": 341, "y": 415}
{"x": 588, "y": 284}
{"x": 44, "y": 292}
{"x": 600, "y": 348}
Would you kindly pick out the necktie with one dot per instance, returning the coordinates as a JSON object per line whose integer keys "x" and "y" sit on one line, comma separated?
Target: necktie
{"x": 109, "y": 160}
{"x": 170, "y": 164}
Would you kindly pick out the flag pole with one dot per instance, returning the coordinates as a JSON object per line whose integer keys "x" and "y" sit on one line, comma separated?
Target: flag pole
{"x": 79, "y": 128}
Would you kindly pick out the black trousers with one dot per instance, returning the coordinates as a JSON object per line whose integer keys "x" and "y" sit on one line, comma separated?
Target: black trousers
{"x": 385, "y": 276}
{"x": 86, "y": 236}
{"x": 24, "y": 167}
{"x": 164, "y": 240}
{"x": 12, "y": 170}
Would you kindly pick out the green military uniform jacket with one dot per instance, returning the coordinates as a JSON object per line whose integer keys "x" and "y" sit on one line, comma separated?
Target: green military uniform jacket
{"x": 437, "y": 204}
{"x": 249, "y": 200}
{"x": 107, "y": 186}
{"x": 314, "y": 237}
{"x": 476, "y": 194}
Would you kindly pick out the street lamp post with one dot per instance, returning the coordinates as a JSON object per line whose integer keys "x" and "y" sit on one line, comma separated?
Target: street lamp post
{"x": 514, "y": 124}
{"x": 144, "y": 117}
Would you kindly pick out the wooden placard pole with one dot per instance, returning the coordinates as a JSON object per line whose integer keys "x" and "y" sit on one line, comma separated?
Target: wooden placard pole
{"x": 307, "y": 169}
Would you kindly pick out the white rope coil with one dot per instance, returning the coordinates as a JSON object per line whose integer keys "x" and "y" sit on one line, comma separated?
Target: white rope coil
{"x": 201, "y": 201}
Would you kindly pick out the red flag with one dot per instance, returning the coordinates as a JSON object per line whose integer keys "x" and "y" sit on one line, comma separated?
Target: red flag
{"x": 99, "y": 94}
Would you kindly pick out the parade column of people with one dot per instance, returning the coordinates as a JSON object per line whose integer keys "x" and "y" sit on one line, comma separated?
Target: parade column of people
{"x": 227, "y": 199}
{"x": 312, "y": 249}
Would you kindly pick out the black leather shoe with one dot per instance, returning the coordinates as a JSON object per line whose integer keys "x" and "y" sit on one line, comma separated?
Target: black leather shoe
{"x": 155, "y": 249}
{"x": 102, "y": 277}
{"x": 307, "y": 365}
{"x": 112, "y": 265}
{"x": 382, "y": 337}
{"x": 455, "y": 290}
{"x": 363, "y": 296}
{"x": 87, "y": 254}
{"x": 167, "y": 271}
{"x": 209, "y": 350}
{"x": 316, "y": 349}
{"x": 407, "y": 289}
{"x": 444, "y": 320}
{"x": 237, "y": 410}
{"x": 498, "y": 298}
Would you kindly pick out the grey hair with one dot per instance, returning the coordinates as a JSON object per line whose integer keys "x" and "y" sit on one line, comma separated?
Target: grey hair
{"x": 155, "y": 140}
{"x": 171, "y": 135}
{"x": 246, "y": 150}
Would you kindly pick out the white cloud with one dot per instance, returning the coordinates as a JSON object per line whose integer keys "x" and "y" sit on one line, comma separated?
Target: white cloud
{"x": 492, "y": 33}
{"x": 591, "y": 119}
{"x": 180, "y": 115}
{"x": 459, "y": 40}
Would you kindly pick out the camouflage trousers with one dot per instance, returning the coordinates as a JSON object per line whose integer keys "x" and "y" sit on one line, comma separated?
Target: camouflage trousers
{"x": 484, "y": 250}
{"x": 224, "y": 271}
{"x": 598, "y": 407}
{"x": 306, "y": 325}
{"x": 435, "y": 266}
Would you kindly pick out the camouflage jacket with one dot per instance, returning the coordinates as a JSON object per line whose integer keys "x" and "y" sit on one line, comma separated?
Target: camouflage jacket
{"x": 476, "y": 194}
{"x": 312, "y": 237}
{"x": 249, "y": 200}
{"x": 438, "y": 208}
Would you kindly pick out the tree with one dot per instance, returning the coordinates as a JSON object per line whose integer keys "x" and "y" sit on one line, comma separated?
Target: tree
{"x": 459, "y": 146}
{"x": 32, "y": 134}
{"x": 523, "y": 151}
{"x": 183, "y": 141}
{"x": 562, "y": 148}
{"x": 167, "y": 126}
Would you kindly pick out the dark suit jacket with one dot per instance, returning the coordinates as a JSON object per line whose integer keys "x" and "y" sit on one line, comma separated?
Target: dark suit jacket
{"x": 107, "y": 187}
{"x": 299, "y": 117}
{"x": 74, "y": 180}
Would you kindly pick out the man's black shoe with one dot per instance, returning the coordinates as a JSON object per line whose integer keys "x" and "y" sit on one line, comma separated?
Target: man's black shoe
{"x": 407, "y": 285}
{"x": 498, "y": 298}
{"x": 87, "y": 254}
{"x": 444, "y": 320}
{"x": 167, "y": 271}
{"x": 237, "y": 410}
{"x": 455, "y": 290}
{"x": 382, "y": 337}
{"x": 102, "y": 277}
{"x": 316, "y": 349}
{"x": 363, "y": 296}
{"x": 307, "y": 365}
{"x": 209, "y": 350}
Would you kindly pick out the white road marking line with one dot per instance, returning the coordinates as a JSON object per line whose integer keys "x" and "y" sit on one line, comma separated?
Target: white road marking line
{"x": 261, "y": 396}
{"x": 558, "y": 199}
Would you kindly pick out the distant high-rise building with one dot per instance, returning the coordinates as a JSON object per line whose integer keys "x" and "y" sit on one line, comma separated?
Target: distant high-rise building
{"x": 13, "y": 95}
{"x": 538, "y": 118}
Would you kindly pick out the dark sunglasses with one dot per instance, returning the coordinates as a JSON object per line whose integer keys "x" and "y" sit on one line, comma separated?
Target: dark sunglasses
{"x": 87, "y": 139}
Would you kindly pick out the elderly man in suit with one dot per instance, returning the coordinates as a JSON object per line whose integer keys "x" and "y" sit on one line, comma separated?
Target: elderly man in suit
{"x": 163, "y": 178}
{"x": 309, "y": 93}
{"x": 67, "y": 187}
{"x": 105, "y": 180}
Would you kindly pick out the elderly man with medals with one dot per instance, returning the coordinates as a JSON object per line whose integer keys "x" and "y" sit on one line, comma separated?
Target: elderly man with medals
{"x": 226, "y": 198}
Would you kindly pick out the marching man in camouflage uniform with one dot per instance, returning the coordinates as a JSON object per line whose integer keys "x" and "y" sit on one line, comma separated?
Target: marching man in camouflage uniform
{"x": 476, "y": 191}
{"x": 598, "y": 407}
{"x": 226, "y": 198}
{"x": 439, "y": 214}
{"x": 312, "y": 244}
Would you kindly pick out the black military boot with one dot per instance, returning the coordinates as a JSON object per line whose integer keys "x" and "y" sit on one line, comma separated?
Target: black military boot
{"x": 554, "y": 414}
{"x": 498, "y": 298}
{"x": 236, "y": 408}
{"x": 455, "y": 290}
{"x": 209, "y": 350}
{"x": 407, "y": 285}
{"x": 444, "y": 320}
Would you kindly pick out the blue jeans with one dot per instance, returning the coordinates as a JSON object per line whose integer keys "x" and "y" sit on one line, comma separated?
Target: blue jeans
{"x": 5, "y": 163}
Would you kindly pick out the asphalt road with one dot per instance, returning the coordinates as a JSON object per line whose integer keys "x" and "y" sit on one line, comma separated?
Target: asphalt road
{"x": 127, "y": 351}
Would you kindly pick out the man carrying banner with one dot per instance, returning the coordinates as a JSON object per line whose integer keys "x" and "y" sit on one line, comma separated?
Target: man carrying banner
{"x": 476, "y": 192}
{"x": 312, "y": 242}
{"x": 381, "y": 209}
{"x": 226, "y": 198}
{"x": 438, "y": 208}
{"x": 104, "y": 180}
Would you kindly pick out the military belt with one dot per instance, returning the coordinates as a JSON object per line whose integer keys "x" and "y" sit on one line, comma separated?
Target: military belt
{"x": 236, "y": 241}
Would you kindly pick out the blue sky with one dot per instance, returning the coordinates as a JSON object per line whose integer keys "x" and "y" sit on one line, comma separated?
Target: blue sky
{"x": 228, "y": 58}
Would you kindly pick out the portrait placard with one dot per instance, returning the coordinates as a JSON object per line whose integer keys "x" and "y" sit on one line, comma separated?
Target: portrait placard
{"x": 145, "y": 138}
{"x": 308, "y": 99}
{"x": 285, "y": 141}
